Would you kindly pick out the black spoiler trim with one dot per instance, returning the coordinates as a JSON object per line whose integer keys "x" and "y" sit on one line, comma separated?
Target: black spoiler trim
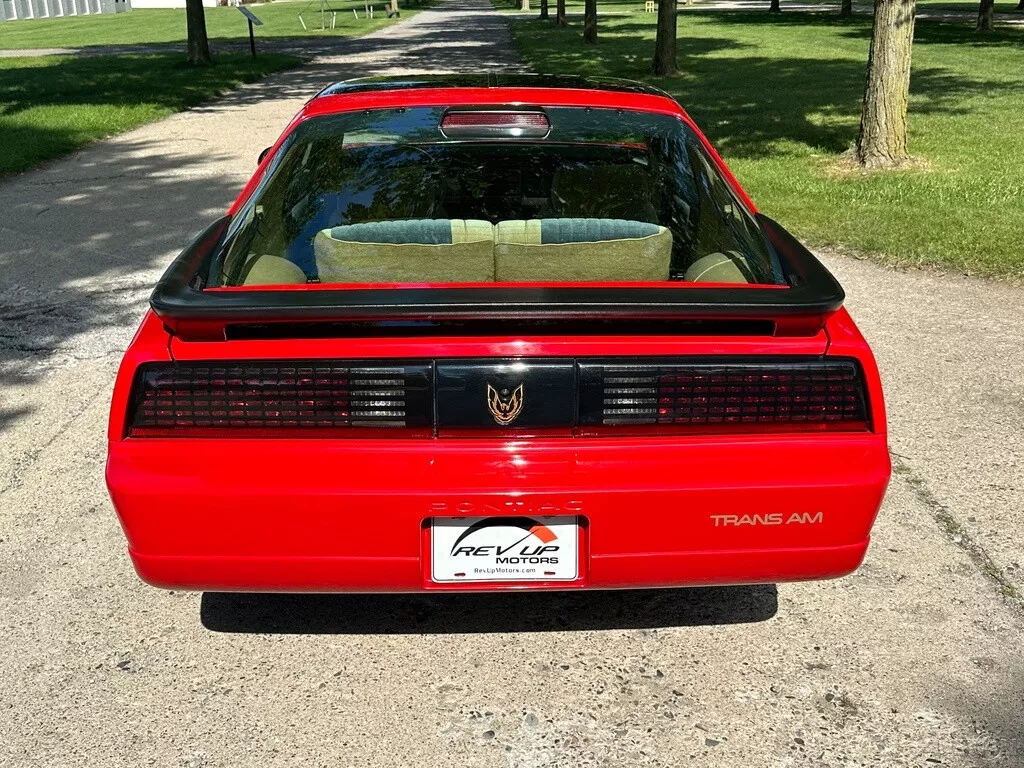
{"x": 182, "y": 304}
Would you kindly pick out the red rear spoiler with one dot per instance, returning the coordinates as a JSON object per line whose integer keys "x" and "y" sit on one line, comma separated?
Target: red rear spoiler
{"x": 800, "y": 309}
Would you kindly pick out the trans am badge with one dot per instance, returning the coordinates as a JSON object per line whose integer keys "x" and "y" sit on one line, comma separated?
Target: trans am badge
{"x": 504, "y": 405}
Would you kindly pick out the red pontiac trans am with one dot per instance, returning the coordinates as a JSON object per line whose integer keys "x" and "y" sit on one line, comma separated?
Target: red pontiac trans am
{"x": 486, "y": 333}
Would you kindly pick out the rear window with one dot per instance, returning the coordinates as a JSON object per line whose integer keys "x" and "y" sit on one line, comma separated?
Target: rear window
{"x": 435, "y": 196}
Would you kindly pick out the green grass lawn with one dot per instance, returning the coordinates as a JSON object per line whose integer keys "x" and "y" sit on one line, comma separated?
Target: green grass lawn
{"x": 963, "y": 6}
{"x": 52, "y": 105}
{"x": 637, "y": 6}
{"x": 779, "y": 95}
{"x": 167, "y": 25}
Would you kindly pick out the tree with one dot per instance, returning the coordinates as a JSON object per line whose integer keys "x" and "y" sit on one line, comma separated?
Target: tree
{"x": 560, "y": 14}
{"x": 524, "y": 5}
{"x": 775, "y": 7}
{"x": 198, "y": 44}
{"x": 985, "y": 21}
{"x": 544, "y": 10}
{"x": 665, "y": 41}
{"x": 590, "y": 21}
{"x": 846, "y": 9}
{"x": 882, "y": 140}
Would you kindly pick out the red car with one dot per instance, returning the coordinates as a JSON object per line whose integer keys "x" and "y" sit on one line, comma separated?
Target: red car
{"x": 484, "y": 333}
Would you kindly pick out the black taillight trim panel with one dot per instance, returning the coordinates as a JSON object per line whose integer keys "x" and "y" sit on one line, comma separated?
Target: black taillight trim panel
{"x": 384, "y": 398}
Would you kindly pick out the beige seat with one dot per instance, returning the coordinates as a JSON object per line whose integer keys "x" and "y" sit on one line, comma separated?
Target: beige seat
{"x": 581, "y": 250}
{"x": 718, "y": 268}
{"x": 458, "y": 251}
{"x": 417, "y": 251}
{"x": 273, "y": 270}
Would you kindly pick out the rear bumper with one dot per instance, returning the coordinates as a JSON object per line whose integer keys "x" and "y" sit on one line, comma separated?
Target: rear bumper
{"x": 405, "y": 574}
{"x": 353, "y": 516}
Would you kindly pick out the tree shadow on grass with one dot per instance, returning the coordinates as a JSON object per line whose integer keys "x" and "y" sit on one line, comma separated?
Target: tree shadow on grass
{"x": 926, "y": 31}
{"x": 752, "y": 105}
{"x": 72, "y": 100}
{"x": 487, "y": 613}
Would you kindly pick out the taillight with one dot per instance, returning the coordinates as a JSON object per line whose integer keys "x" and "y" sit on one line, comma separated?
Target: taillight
{"x": 286, "y": 398}
{"x": 495, "y": 124}
{"x": 733, "y": 395}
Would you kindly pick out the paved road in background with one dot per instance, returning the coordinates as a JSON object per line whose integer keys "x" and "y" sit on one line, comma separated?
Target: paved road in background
{"x": 913, "y": 661}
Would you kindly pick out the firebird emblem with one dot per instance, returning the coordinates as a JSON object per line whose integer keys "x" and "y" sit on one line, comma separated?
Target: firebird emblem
{"x": 504, "y": 405}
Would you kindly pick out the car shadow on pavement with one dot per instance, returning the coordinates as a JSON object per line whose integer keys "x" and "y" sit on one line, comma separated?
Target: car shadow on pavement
{"x": 367, "y": 614}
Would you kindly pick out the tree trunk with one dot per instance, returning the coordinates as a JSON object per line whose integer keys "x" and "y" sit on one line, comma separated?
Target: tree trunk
{"x": 665, "y": 41}
{"x": 985, "y": 16}
{"x": 846, "y": 9}
{"x": 1020, "y": 5}
{"x": 545, "y": 15}
{"x": 590, "y": 21}
{"x": 560, "y": 14}
{"x": 882, "y": 141}
{"x": 198, "y": 44}
{"x": 525, "y": 6}
{"x": 775, "y": 7}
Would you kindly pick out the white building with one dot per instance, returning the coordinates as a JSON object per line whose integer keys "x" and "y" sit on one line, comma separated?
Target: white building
{"x": 169, "y": 3}
{"x": 48, "y": 9}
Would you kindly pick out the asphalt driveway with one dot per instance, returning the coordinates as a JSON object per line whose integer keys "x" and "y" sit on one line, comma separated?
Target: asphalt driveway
{"x": 913, "y": 661}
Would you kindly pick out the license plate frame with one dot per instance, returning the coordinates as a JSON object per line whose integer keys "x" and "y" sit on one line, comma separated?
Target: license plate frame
{"x": 509, "y": 549}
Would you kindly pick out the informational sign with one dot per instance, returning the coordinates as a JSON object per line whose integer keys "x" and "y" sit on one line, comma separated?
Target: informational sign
{"x": 250, "y": 16}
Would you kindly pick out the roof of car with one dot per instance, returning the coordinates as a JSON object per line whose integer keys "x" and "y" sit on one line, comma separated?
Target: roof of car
{"x": 488, "y": 80}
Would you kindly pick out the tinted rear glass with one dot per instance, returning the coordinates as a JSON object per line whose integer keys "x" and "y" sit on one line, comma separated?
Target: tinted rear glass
{"x": 384, "y": 196}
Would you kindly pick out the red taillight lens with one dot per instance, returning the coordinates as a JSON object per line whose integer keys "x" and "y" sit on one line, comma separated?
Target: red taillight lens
{"x": 495, "y": 124}
{"x": 732, "y": 395}
{"x": 240, "y": 399}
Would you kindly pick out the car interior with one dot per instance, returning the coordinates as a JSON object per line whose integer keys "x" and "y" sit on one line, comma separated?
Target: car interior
{"x": 439, "y": 213}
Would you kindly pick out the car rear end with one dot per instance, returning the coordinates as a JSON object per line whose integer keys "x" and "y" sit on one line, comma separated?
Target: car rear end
{"x": 495, "y": 338}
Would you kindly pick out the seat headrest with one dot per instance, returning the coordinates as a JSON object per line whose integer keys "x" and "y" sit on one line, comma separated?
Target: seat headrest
{"x": 717, "y": 268}
{"x": 273, "y": 270}
{"x": 414, "y": 231}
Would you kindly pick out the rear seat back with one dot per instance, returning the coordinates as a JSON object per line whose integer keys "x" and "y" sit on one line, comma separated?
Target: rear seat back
{"x": 415, "y": 251}
{"x": 467, "y": 250}
{"x": 581, "y": 250}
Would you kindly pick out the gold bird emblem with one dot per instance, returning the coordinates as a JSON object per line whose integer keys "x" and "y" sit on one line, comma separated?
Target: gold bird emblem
{"x": 504, "y": 405}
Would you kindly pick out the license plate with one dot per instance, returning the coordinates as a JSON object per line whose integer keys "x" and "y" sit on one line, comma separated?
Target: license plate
{"x": 504, "y": 549}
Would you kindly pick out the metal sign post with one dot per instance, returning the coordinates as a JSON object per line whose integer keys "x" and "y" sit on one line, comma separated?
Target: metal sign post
{"x": 252, "y": 20}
